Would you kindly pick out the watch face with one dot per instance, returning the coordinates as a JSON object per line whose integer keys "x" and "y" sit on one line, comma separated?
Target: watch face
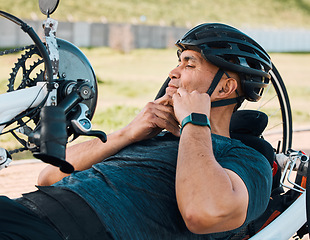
{"x": 197, "y": 117}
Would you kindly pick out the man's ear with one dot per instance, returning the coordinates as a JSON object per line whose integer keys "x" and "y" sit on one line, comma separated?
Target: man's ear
{"x": 227, "y": 87}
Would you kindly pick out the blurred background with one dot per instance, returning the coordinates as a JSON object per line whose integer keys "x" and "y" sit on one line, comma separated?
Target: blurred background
{"x": 253, "y": 13}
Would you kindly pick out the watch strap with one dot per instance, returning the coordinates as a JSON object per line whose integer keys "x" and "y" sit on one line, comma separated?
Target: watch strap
{"x": 196, "y": 119}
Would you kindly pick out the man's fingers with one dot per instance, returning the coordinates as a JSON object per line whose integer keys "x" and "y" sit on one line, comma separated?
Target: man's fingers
{"x": 168, "y": 122}
{"x": 160, "y": 114}
{"x": 164, "y": 100}
{"x": 164, "y": 118}
{"x": 181, "y": 91}
{"x": 166, "y": 113}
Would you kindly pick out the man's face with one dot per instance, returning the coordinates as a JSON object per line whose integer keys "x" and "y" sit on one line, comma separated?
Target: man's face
{"x": 192, "y": 73}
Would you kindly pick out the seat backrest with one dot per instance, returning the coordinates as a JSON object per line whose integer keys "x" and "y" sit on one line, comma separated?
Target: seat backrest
{"x": 248, "y": 126}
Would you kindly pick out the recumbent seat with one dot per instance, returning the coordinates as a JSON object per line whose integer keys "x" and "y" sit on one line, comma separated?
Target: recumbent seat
{"x": 248, "y": 126}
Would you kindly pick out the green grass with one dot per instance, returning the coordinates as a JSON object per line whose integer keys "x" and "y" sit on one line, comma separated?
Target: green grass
{"x": 269, "y": 13}
{"x": 294, "y": 71}
{"x": 115, "y": 117}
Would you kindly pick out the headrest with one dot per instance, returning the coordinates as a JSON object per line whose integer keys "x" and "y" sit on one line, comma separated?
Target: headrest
{"x": 250, "y": 122}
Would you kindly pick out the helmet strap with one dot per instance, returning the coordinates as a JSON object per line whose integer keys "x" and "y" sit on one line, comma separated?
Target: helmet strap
{"x": 218, "y": 76}
{"x": 224, "y": 102}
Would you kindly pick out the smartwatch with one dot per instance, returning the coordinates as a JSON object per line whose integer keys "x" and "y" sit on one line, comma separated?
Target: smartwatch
{"x": 196, "y": 119}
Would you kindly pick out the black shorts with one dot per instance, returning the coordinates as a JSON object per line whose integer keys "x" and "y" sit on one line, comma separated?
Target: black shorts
{"x": 63, "y": 213}
{"x": 19, "y": 223}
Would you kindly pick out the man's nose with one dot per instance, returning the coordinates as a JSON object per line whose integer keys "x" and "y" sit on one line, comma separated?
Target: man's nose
{"x": 174, "y": 73}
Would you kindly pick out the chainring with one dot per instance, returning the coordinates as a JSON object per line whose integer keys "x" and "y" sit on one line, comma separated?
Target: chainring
{"x": 27, "y": 70}
{"x": 73, "y": 65}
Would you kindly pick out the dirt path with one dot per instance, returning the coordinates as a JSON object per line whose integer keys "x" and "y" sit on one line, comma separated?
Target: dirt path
{"x": 21, "y": 176}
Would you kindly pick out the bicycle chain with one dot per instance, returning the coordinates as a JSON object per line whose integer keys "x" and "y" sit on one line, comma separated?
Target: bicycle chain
{"x": 15, "y": 50}
{"x": 17, "y": 150}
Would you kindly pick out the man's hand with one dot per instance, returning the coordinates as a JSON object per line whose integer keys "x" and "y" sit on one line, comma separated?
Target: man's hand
{"x": 153, "y": 118}
{"x": 186, "y": 103}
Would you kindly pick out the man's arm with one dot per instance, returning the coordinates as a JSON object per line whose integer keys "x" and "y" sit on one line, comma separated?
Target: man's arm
{"x": 210, "y": 198}
{"x": 154, "y": 117}
{"x": 83, "y": 155}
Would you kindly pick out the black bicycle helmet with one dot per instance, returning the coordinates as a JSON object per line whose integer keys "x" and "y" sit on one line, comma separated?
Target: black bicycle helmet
{"x": 230, "y": 49}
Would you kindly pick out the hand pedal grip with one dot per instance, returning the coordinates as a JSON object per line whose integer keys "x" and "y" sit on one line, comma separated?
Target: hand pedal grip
{"x": 53, "y": 138}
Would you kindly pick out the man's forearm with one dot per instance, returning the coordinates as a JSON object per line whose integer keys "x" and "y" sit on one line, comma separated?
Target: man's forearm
{"x": 83, "y": 155}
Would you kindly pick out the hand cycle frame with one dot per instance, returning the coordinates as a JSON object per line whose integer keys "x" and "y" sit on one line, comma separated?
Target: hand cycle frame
{"x": 294, "y": 217}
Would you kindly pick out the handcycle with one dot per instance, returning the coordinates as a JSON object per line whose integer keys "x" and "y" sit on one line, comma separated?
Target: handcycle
{"x": 53, "y": 102}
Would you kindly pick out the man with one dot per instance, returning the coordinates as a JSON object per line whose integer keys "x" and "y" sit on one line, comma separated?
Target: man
{"x": 191, "y": 182}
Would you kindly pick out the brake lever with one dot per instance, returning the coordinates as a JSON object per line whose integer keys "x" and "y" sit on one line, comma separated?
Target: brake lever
{"x": 82, "y": 125}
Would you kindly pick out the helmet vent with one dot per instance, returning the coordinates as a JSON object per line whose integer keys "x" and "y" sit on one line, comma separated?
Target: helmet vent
{"x": 220, "y": 45}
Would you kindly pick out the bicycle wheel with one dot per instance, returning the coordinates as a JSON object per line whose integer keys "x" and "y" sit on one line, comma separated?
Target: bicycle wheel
{"x": 37, "y": 41}
{"x": 46, "y": 69}
{"x": 275, "y": 103}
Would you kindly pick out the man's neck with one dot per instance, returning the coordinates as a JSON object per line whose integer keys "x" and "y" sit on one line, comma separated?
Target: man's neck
{"x": 220, "y": 120}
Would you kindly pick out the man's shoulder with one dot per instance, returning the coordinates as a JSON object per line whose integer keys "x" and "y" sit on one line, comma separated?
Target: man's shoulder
{"x": 233, "y": 145}
{"x": 230, "y": 152}
{"x": 223, "y": 145}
